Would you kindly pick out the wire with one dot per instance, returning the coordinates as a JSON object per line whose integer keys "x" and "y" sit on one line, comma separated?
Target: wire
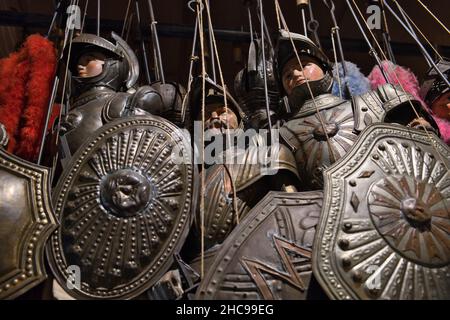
{"x": 434, "y": 17}
{"x": 399, "y": 82}
{"x": 319, "y": 115}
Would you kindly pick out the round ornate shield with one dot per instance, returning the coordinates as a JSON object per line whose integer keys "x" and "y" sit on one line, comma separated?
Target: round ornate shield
{"x": 385, "y": 225}
{"x": 124, "y": 204}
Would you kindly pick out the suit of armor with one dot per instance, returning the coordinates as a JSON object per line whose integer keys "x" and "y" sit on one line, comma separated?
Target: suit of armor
{"x": 320, "y": 130}
{"x": 100, "y": 99}
{"x": 245, "y": 175}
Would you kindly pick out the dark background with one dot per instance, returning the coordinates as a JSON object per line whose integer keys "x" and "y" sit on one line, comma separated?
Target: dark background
{"x": 19, "y": 18}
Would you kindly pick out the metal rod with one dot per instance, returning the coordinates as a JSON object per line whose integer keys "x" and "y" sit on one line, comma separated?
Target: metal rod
{"x": 250, "y": 25}
{"x": 265, "y": 30}
{"x": 411, "y": 29}
{"x": 338, "y": 36}
{"x": 98, "y": 18}
{"x": 385, "y": 34}
{"x": 125, "y": 19}
{"x": 158, "y": 62}
{"x": 266, "y": 90}
{"x": 304, "y": 22}
{"x": 55, "y": 14}
{"x": 47, "y": 117}
{"x": 144, "y": 51}
{"x": 371, "y": 49}
{"x": 211, "y": 49}
{"x": 194, "y": 45}
{"x": 84, "y": 15}
{"x": 313, "y": 25}
{"x": 424, "y": 52}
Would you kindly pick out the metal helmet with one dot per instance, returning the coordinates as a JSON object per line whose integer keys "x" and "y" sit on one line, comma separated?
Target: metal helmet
{"x": 121, "y": 68}
{"x": 304, "y": 47}
{"x": 434, "y": 86}
{"x": 249, "y": 85}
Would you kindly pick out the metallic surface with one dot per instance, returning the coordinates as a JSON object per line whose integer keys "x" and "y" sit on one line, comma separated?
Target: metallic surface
{"x": 343, "y": 120}
{"x": 100, "y": 105}
{"x": 385, "y": 224}
{"x": 124, "y": 203}
{"x": 120, "y": 69}
{"x": 268, "y": 255}
{"x": 251, "y": 181}
{"x": 307, "y": 139}
{"x": 388, "y": 103}
{"x": 249, "y": 87}
{"x": 26, "y": 221}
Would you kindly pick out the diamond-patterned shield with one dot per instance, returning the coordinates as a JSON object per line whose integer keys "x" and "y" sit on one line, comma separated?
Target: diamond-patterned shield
{"x": 268, "y": 254}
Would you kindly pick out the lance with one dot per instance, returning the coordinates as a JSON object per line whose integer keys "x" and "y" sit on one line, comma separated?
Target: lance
{"x": 385, "y": 34}
{"x": 84, "y": 16}
{"x": 372, "y": 51}
{"x": 211, "y": 49}
{"x": 265, "y": 30}
{"x": 125, "y": 19}
{"x": 410, "y": 27}
{"x": 250, "y": 24}
{"x": 331, "y": 7}
{"x": 98, "y": 18}
{"x": 55, "y": 14}
{"x": 156, "y": 48}
{"x": 263, "y": 49}
{"x": 313, "y": 25}
{"x": 424, "y": 52}
{"x": 302, "y": 4}
{"x": 55, "y": 83}
{"x": 191, "y": 63}
{"x": 144, "y": 51}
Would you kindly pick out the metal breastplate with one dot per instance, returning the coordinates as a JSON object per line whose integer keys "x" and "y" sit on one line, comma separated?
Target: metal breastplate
{"x": 91, "y": 112}
{"x": 251, "y": 185}
{"x": 307, "y": 137}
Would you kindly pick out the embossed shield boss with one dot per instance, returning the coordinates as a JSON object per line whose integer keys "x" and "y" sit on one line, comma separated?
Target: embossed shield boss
{"x": 385, "y": 224}
{"x": 124, "y": 204}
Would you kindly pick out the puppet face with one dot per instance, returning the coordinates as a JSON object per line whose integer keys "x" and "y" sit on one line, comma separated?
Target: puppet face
{"x": 217, "y": 117}
{"x": 292, "y": 75}
{"x": 90, "y": 64}
{"x": 441, "y": 106}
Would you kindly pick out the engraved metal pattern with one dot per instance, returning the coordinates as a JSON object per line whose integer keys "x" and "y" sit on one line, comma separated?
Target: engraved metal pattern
{"x": 248, "y": 176}
{"x": 124, "y": 204}
{"x": 219, "y": 210}
{"x": 314, "y": 153}
{"x": 26, "y": 221}
{"x": 268, "y": 255}
{"x": 396, "y": 246}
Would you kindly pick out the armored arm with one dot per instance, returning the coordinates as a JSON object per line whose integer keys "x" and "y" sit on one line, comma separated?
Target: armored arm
{"x": 147, "y": 99}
